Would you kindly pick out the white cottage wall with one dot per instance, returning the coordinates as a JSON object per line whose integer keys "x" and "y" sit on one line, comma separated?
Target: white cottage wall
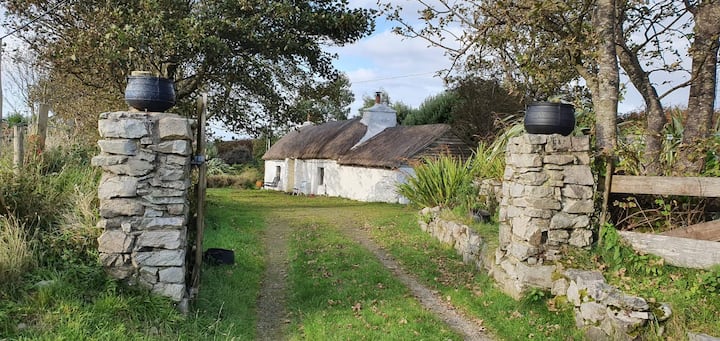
{"x": 352, "y": 182}
{"x": 372, "y": 184}
{"x": 271, "y": 172}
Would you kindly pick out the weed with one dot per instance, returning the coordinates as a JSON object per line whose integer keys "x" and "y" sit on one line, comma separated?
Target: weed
{"x": 16, "y": 250}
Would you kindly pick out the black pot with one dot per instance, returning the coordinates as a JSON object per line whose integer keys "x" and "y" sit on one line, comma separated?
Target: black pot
{"x": 219, "y": 256}
{"x": 150, "y": 93}
{"x": 549, "y": 118}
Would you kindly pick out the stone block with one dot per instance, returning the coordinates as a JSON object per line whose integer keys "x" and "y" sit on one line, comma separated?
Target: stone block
{"x": 159, "y": 258}
{"x": 558, "y": 143}
{"x": 592, "y": 312}
{"x": 115, "y": 241}
{"x": 582, "y": 158}
{"x": 580, "y": 143}
{"x": 163, "y": 222}
{"x": 521, "y": 250}
{"x": 580, "y": 238}
{"x": 559, "y": 287}
{"x": 524, "y": 148}
{"x": 537, "y": 139}
{"x": 149, "y": 275}
{"x": 164, "y": 200}
{"x": 168, "y": 173}
{"x": 152, "y": 213}
{"x": 557, "y": 237}
{"x": 177, "y": 209}
{"x": 180, "y": 147}
{"x": 586, "y": 206}
{"x": 537, "y": 203}
{"x": 533, "y": 178}
{"x": 124, "y": 128}
{"x": 584, "y": 278}
{"x": 527, "y": 231}
{"x": 131, "y": 166}
{"x": 174, "y": 128}
{"x": 538, "y": 213}
{"x": 108, "y": 160}
{"x": 525, "y": 160}
{"x": 112, "y": 186}
{"x": 578, "y": 175}
{"x": 581, "y": 221}
{"x": 110, "y": 208}
{"x": 562, "y": 220}
{"x": 166, "y": 239}
{"x": 559, "y": 159}
{"x": 175, "y": 292}
{"x": 537, "y": 276}
{"x": 573, "y": 293}
{"x": 118, "y": 146}
{"x": 174, "y": 274}
{"x": 577, "y": 192}
{"x": 515, "y": 189}
{"x": 623, "y": 323}
{"x": 509, "y": 173}
{"x": 178, "y": 160}
{"x": 505, "y": 234}
{"x": 539, "y": 191}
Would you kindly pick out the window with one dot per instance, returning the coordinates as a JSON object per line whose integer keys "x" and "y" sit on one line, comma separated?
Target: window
{"x": 277, "y": 172}
{"x": 321, "y": 175}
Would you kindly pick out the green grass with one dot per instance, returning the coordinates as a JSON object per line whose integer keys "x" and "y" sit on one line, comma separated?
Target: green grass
{"x": 474, "y": 292}
{"x": 341, "y": 292}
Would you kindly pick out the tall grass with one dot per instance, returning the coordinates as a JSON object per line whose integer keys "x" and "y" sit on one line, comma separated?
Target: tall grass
{"x": 16, "y": 250}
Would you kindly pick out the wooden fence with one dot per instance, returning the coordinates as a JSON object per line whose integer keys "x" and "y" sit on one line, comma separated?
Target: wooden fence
{"x": 694, "y": 246}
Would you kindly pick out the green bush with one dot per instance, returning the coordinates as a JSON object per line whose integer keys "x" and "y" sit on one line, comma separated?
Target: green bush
{"x": 444, "y": 181}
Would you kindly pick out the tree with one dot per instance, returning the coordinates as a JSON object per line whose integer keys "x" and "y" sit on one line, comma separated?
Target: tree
{"x": 434, "y": 109}
{"x": 256, "y": 58}
{"x": 481, "y": 103}
{"x": 546, "y": 43}
{"x": 324, "y": 102}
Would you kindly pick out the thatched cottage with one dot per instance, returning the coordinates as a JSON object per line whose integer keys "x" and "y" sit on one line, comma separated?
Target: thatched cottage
{"x": 361, "y": 159}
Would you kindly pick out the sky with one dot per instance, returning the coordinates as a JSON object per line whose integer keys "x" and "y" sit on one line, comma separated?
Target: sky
{"x": 407, "y": 68}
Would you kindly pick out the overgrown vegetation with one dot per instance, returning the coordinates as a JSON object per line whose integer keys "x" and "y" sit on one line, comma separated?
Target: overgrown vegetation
{"x": 692, "y": 294}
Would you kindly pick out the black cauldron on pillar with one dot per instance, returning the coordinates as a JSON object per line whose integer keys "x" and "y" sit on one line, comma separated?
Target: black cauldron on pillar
{"x": 549, "y": 118}
{"x": 146, "y": 92}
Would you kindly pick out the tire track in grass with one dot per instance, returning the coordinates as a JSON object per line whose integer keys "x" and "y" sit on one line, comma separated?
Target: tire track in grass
{"x": 470, "y": 329}
{"x": 272, "y": 300}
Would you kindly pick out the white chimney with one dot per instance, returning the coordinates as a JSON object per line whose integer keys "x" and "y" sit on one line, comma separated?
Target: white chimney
{"x": 377, "y": 118}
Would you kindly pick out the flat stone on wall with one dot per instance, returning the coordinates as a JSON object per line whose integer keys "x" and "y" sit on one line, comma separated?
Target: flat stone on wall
{"x": 143, "y": 194}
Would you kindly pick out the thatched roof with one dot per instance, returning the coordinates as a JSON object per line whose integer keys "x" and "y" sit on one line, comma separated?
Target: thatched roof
{"x": 400, "y": 145}
{"x": 391, "y": 148}
{"x": 326, "y": 141}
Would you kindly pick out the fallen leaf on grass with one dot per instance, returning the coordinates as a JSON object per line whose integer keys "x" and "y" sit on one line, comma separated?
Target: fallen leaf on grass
{"x": 357, "y": 307}
{"x": 402, "y": 321}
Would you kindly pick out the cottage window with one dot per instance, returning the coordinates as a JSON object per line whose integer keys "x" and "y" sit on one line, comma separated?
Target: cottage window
{"x": 321, "y": 176}
{"x": 277, "y": 172}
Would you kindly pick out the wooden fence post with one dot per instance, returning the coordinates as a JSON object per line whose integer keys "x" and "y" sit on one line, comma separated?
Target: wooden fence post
{"x": 201, "y": 188}
{"x": 18, "y": 144}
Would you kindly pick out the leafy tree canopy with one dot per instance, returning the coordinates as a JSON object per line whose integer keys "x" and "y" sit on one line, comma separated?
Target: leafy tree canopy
{"x": 256, "y": 58}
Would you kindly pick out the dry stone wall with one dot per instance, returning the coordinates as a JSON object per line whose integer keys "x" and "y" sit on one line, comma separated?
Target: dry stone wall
{"x": 547, "y": 201}
{"x": 468, "y": 243}
{"x": 143, "y": 194}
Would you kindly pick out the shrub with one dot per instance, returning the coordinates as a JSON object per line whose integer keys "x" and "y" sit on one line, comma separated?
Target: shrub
{"x": 444, "y": 181}
{"x": 16, "y": 250}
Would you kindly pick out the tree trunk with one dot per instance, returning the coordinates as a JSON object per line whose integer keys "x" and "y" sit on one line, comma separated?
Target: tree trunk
{"x": 606, "y": 100}
{"x": 654, "y": 113}
{"x": 701, "y": 100}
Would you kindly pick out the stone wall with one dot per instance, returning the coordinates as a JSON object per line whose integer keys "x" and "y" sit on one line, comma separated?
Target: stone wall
{"x": 468, "y": 243}
{"x": 547, "y": 201}
{"x": 143, "y": 194}
{"x": 602, "y": 311}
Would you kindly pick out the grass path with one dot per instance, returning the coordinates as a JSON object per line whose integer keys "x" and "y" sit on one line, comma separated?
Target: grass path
{"x": 334, "y": 269}
{"x": 272, "y": 300}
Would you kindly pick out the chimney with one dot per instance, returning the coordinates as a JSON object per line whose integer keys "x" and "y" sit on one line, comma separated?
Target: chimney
{"x": 377, "y": 118}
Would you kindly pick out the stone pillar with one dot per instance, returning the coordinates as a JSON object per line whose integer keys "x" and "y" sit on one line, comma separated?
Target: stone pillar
{"x": 547, "y": 201}
{"x": 143, "y": 194}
